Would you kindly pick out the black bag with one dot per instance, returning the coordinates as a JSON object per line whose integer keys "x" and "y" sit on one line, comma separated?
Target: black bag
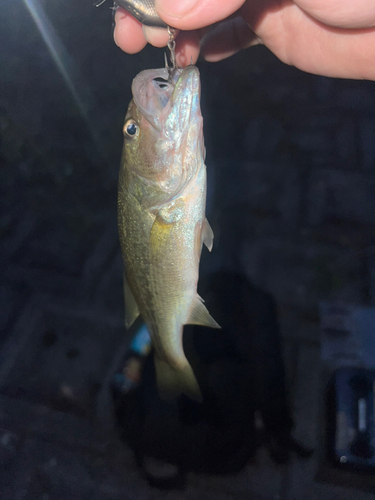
{"x": 240, "y": 371}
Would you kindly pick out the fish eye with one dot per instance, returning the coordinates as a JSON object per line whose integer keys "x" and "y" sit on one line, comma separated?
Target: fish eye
{"x": 131, "y": 129}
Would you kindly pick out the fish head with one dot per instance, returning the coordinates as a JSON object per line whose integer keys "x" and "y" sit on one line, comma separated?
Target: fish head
{"x": 163, "y": 131}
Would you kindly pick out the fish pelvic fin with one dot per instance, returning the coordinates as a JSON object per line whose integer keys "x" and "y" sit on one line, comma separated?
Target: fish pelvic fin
{"x": 131, "y": 307}
{"x": 200, "y": 316}
{"x": 173, "y": 382}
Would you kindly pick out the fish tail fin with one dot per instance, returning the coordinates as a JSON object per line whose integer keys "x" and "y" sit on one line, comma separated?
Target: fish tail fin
{"x": 175, "y": 381}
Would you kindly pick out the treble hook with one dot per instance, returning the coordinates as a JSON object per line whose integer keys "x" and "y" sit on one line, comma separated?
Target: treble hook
{"x": 172, "y": 45}
{"x": 172, "y": 52}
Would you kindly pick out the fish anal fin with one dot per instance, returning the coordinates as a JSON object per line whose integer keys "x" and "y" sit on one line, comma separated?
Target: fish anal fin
{"x": 172, "y": 382}
{"x": 200, "y": 316}
{"x": 131, "y": 307}
{"x": 207, "y": 235}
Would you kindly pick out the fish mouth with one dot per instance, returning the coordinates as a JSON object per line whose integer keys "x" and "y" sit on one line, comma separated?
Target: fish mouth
{"x": 168, "y": 101}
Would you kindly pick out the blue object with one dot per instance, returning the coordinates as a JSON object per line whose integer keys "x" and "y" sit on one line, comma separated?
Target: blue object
{"x": 141, "y": 343}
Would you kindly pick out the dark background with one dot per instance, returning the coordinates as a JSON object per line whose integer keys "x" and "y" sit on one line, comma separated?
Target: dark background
{"x": 291, "y": 198}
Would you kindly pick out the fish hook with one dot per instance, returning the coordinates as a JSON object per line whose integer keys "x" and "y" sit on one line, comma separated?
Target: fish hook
{"x": 172, "y": 51}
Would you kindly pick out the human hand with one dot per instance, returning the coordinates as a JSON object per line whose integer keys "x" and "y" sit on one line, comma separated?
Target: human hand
{"x": 326, "y": 37}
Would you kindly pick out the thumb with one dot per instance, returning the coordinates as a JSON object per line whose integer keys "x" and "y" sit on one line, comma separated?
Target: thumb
{"x": 195, "y": 14}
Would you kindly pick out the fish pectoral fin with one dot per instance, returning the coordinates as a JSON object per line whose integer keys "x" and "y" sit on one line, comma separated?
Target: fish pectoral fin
{"x": 200, "y": 316}
{"x": 171, "y": 211}
{"x": 207, "y": 235}
{"x": 173, "y": 382}
{"x": 131, "y": 307}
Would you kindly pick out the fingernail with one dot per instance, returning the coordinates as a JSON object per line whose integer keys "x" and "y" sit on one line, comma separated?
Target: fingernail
{"x": 175, "y": 8}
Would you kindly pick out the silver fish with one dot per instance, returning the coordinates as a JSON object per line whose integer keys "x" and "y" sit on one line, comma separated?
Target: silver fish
{"x": 144, "y": 11}
{"x": 161, "y": 216}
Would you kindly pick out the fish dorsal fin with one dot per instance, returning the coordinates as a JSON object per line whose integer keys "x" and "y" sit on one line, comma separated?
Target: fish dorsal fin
{"x": 199, "y": 314}
{"x": 131, "y": 308}
{"x": 207, "y": 235}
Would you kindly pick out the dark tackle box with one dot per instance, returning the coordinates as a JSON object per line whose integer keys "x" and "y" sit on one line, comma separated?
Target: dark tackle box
{"x": 351, "y": 419}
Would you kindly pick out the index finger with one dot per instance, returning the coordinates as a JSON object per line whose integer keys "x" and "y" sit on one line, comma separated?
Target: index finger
{"x": 128, "y": 33}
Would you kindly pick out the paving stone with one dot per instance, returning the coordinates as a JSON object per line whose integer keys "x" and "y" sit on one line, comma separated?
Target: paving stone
{"x": 46, "y": 471}
{"x": 20, "y": 226}
{"x": 321, "y": 117}
{"x": 308, "y": 394}
{"x": 305, "y": 487}
{"x": 263, "y": 136}
{"x": 19, "y": 335}
{"x": 371, "y": 274}
{"x": 20, "y": 418}
{"x": 262, "y": 479}
{"x": 63, "y": 360}
{"x": 336, "y": 194}
{"x": 354, "y": 236}
{"x": 306, "y": 404}
{"x": 44, "y": 281}
{"x": 347, "y": 143}
{"x": 47, "y": 467}
{"x": 302, "y": 274}
{"x": 367, "y": 141}
{"x": 265, "y": 478}
{"x": 12, "y": 300}
{"x": 57, "y": 247}
{"x": 9, "y": 450}
{"x": 112, "y": 471}
{"x": 237, "y": 244}
{"x": 106, "y": 247}
{"x": 296, "y": 325}
{"x": 290, "y": 350}
{"x": 313, "y": 141}
{"x": 356, "y": 97}
{"x": 109, "y": 292}
{"x": 271, "y": 188}
{"x": 361, "y": 486}
{"x": 324, "y": 88}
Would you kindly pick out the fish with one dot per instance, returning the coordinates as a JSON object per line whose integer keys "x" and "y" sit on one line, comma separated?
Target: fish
{"x": 144, "y": 11}
{"x": 161, "y": 218}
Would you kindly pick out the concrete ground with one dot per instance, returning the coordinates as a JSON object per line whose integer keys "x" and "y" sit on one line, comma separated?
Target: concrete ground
{"x": 63, "y": 338}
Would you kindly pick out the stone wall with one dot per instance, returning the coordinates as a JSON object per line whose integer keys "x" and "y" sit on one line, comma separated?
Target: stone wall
{"x": 292, "y": 157}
